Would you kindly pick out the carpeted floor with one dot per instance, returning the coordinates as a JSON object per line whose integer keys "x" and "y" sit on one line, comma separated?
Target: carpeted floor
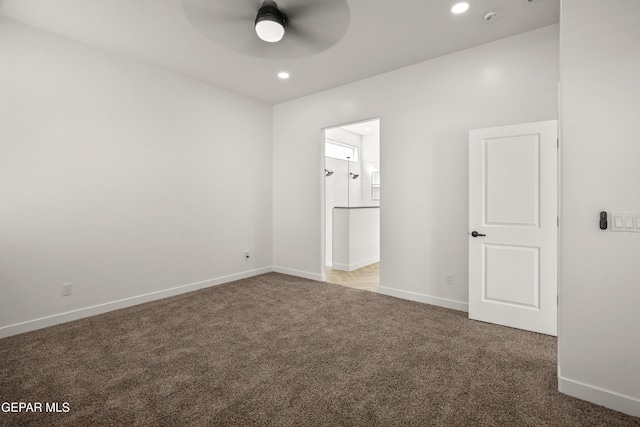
{"x": 283, "y": 351}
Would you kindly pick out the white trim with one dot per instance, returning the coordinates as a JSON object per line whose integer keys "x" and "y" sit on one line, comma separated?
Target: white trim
{"x": 599, "y": 396}
{"x": 412, "y": 296}
{"x": 56, "y": 319}
{"x": 355, "y": 266}
{"x": 298, "y": 273}
{"x": 341, "y": 267}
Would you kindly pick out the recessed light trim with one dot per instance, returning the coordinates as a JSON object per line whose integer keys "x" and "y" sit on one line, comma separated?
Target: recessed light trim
{"x": 460, "y": 7}
{"x": 283, "y": 75}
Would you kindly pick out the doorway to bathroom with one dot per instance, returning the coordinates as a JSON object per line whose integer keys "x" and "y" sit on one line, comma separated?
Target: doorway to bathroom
{"x": 352, "y": 204}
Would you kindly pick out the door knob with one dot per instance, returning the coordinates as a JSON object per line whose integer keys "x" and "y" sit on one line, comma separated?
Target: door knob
{"x": 476, "y": 234}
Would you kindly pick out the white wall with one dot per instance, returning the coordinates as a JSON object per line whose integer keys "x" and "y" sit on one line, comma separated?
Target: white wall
{"x": 599, "y": 318}
{"x": 426, "y": 111}
{"x": 122, "y": 179}
{"x": 370, "y": 163}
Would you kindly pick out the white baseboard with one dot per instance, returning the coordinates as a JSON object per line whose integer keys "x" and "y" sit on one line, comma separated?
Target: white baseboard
{"x": 56, "y": 319}
{"x": 297, "y": 273}
{"x": 608, "y": 399}
{"x": 412, "y": 296}
{"x": 341, "y": 267}
{"x": 354, "y": 266}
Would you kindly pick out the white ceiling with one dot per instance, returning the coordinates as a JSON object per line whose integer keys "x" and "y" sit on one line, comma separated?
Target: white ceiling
{"x": 382, "y": 35}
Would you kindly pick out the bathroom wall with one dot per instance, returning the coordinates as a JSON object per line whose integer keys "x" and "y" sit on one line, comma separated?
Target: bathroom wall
{"x": 336, "y": 184}
{"x": 370, "y": 162}
{"x": 359, "y": 189}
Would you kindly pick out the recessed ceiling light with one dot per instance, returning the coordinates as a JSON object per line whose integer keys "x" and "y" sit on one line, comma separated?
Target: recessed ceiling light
{"x": 460, "y": 7}
{"x": 284, "y": 75}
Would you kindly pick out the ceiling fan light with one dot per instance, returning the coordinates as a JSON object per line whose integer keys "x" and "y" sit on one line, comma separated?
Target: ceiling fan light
{"x": 269, "y": 31}
{"x": 270, "y": 22}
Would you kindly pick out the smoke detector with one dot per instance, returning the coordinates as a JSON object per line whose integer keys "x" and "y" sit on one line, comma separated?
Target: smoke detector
{"x": 492, "y": 16}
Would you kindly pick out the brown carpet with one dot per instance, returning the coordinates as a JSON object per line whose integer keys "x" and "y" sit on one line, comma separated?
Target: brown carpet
{"x": 282, "y": 351}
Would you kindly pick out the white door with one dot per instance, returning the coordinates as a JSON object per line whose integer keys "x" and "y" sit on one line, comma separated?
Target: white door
{"x": 513, "y": 184}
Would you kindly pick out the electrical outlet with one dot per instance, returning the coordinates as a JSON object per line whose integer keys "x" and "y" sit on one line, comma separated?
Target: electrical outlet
{"x": 66, "y": 289}
{"x": 448, "y": 279}
{"x": 247, "y": 254}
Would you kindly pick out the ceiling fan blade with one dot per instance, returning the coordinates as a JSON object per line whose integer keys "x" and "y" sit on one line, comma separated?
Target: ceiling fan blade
{"x": 319, "y": 24}
{"x": 207, "y": 12}
{"x": 304, "y": 8}
{"x": 301, "y": 34}
{"x": 313, "y": 25}
{"x": 227, "y": 22}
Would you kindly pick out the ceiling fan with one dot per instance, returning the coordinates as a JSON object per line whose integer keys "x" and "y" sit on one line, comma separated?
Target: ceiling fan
{"x": 266, "y": 29}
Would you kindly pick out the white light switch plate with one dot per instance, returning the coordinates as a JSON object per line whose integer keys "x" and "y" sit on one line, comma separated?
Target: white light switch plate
{"x": 629, "y": 222}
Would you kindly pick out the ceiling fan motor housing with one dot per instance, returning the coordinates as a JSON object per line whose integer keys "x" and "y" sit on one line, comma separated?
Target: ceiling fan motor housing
{"x": 269, "y": 12}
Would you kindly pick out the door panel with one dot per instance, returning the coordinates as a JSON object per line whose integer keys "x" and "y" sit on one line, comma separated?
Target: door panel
{"x": 512, "y": 275}
{"x": 512, "y": 182}
{"x": 513, "y": 205}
